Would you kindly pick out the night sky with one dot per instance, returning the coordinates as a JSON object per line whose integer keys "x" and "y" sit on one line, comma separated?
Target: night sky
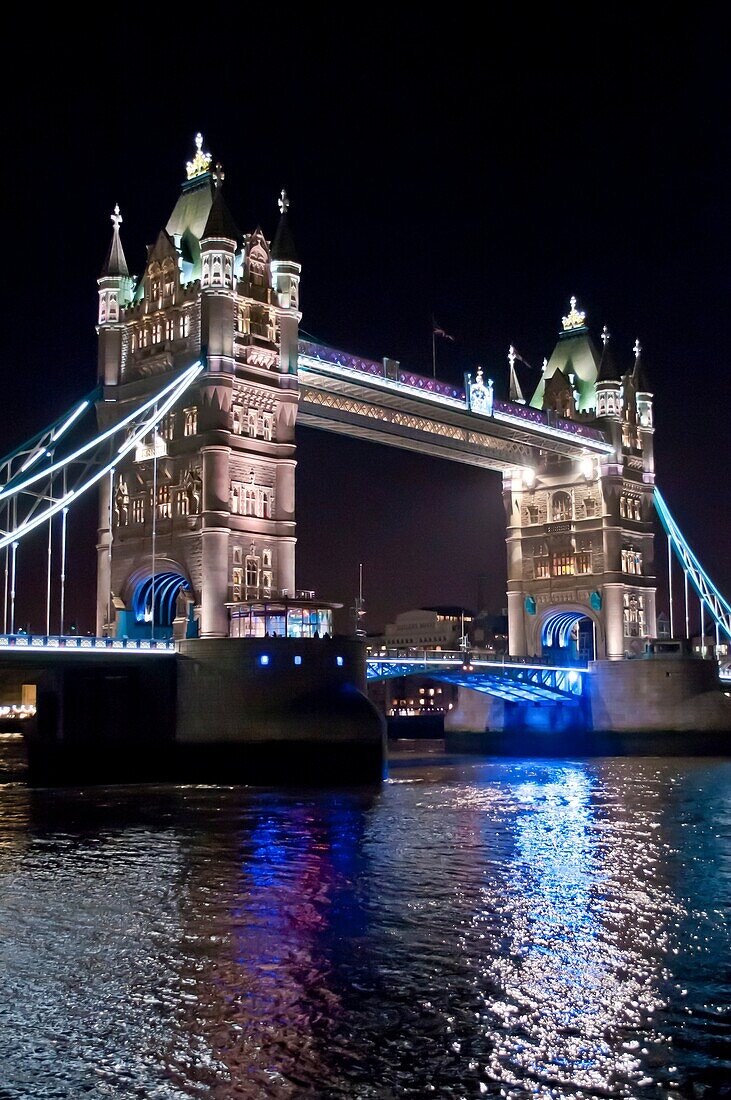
{"x": 478, "y": 177}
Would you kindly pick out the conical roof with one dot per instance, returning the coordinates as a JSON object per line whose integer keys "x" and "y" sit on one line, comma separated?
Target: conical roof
{"x": 283, "y": 247}
{"x": 115, "y": 264}
{"x": 609, "y": 371}
{"x": 639, "y": 374}
{"x": 220, "y": 223}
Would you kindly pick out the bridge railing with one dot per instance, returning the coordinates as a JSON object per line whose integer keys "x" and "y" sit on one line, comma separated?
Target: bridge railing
{"x": 410, "y": 653}
{"x": 26, "y": 642}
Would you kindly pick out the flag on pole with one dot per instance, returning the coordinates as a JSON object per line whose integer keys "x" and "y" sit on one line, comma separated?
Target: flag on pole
{"x": 437, "y": 330}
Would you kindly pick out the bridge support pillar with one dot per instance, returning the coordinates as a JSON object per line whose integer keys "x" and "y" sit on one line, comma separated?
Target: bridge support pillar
{"x": 214, "y": 589}
{"x": 104, "y": 565}
{"x": 614, "y": 620}
{"x": 516, "y": 625}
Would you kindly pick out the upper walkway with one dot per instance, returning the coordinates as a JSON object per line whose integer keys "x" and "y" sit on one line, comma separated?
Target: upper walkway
{"x": 382, "y": 403}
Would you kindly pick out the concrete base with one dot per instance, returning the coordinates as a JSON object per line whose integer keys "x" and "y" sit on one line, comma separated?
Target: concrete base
{"x": 588, "y": 743}
{"x": 655, "y": 706}
{"x": 224, "y": 710}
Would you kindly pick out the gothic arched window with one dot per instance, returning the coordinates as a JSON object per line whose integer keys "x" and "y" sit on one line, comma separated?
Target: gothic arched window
{"x": 560, "y": 507}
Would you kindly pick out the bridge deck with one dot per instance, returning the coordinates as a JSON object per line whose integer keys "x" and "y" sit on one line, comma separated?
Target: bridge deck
{"x": 358, "y": 397}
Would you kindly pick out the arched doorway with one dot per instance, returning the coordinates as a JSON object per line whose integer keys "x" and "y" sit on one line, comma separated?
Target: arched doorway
{"x": 568, "y": 637}
{"x": 154, "y": 600}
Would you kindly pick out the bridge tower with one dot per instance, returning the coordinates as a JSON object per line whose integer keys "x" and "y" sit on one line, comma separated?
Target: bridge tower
{"x": 581, "y": 573}
{"x": 203, "y": 514}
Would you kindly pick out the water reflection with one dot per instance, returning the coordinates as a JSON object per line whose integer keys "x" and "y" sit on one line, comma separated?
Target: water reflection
{"x": 483, "y": 929}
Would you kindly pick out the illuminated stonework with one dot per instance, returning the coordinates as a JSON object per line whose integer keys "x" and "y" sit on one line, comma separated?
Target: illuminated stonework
{"x": 580, "y": 532}
{"x": 193, "y": 526}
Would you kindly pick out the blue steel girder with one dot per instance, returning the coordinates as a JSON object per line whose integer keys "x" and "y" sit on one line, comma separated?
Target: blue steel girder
{"x": 513, "y": 682}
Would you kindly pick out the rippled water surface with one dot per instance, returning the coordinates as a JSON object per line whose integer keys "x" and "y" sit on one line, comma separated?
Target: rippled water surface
{"x": 499, "y": 928}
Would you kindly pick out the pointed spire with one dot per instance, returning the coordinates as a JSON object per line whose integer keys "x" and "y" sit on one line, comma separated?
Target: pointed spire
{"x": 283, "y": 246}
{"x": 115, "y": 265}
{"x": 639, "y": 375}
{"x": 220, "y": 223}
{"x": 608, "y": 369}
{"x": 516, "y": 393}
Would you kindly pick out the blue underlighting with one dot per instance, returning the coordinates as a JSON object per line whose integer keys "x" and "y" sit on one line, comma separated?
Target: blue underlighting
{"x": 557, "y": 628}
{"x": 163, "y": 588}
{"x": 264, "y": 659}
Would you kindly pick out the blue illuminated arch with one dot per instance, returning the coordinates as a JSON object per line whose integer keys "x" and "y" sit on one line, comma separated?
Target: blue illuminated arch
{"x": 556, "y": 630}
{"x": 162, "y": 590}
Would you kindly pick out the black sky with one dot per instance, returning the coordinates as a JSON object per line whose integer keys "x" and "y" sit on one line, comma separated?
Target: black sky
{"x": 478, "y": 175}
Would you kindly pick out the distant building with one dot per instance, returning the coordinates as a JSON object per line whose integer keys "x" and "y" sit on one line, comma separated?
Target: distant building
{"x": 425, "y": 628}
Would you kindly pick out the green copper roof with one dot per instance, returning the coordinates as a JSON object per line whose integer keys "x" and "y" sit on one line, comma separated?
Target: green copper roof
{"x": 575, "y": 354}
{"x": 192, "y": 208}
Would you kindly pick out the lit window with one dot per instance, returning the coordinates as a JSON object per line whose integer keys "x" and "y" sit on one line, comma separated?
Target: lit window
{"x": 138, "y": 509}
{"x": 339, "y": 662}
{"x": 298, "y": 660}
{"x": 561, "y": 507}
{"x": 252, "y": 572}
{"x": 250, "y": 501}
{"x": 183, "y": 503}
{"x": 264, "y": 659}
{"x": 185, "y": 325}
{"x": 562, "y": 563}
{"x": 191, "y": 421}
{"x": 164, "y": 506}
{"x": 266, "y": 558}
{"x": 169, "y": 330}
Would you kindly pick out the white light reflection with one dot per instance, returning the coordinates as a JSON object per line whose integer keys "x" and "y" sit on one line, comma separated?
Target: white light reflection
{"x": 576, "y": 985}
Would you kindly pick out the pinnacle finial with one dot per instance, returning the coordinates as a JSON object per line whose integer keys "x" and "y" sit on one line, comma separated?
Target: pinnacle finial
{"x": 116, "y": 217}
{"x": 575, "y": 319}
{"x": 637, "y": 349}
{"x": 605, "y": 335}
{"x": 201, "y": 161}
{"x": 512, "y": 356}
{"x": 283, "y": 202}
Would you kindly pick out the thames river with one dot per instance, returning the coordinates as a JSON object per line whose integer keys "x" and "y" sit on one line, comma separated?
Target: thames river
{"x": 472, "y": 928}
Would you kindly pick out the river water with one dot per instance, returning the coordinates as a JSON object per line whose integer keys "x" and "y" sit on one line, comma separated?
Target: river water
{"x": 472, "y": 928}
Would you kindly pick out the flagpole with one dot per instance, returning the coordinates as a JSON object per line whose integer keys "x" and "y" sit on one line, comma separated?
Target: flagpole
{"x": 433, "y": 352}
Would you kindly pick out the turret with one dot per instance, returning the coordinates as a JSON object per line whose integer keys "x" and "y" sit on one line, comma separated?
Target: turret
{"x": 642, "y": 391}
{"x": 115, "y": 293}
{"x": 645, "y": 422}
{"x": 218, "y": 244}
{"x": 608, "y": 383}
{"x": 286, "y": 271}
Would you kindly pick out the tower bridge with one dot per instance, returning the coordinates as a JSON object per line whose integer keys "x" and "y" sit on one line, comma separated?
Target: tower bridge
{"x": 203, "y": 373}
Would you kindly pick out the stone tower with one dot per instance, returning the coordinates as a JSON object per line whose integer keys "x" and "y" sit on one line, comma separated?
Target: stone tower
{"x": 581, "y": 573}
{"x": 202, "y": 515}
